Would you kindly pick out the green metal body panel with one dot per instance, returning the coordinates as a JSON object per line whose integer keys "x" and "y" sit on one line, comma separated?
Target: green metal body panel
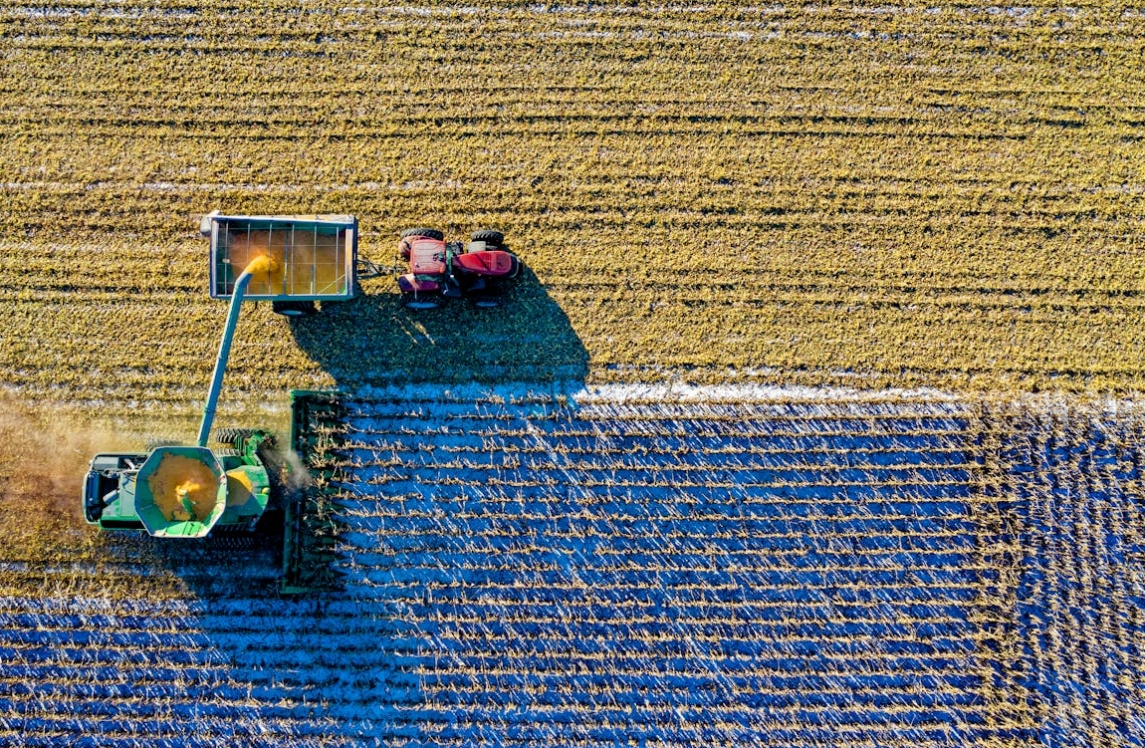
{"x": 240, "y": 511}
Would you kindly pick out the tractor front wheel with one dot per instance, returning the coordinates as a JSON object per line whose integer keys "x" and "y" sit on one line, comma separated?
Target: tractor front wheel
{"x": 427, "y": 233}
{"x": 408, "y": 234}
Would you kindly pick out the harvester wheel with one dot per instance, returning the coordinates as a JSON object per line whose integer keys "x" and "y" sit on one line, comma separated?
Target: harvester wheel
{"x": 294, "y": 308}
{"x": 231, "y": 541}
{"x": 231, "y": 436}
{"x": 420, "y": 302}
{"x": 491, "y": 237}
{"x": 428, "y": 233}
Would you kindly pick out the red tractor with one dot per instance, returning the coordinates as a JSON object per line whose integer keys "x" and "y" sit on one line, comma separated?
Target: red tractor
{"x": 440, "y": 270}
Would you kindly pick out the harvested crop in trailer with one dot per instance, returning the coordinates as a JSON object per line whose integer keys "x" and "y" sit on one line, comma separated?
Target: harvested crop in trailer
{"x": 246, "y": 247}
{"x": 184, "y": 488}
{"x": 317, "y": 263}
{"x": 301, "y": 261}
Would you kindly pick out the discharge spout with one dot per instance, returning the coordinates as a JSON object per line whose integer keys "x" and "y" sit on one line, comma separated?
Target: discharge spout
{"x": 261, "y": 265}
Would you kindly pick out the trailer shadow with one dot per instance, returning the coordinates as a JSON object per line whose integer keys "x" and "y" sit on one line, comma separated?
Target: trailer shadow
{"x": 372, "y": 340}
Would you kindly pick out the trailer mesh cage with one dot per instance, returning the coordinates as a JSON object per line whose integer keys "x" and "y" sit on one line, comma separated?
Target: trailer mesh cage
{"x": 313, "y": 257}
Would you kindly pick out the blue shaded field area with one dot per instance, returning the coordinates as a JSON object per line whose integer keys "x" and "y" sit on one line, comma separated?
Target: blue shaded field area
{"x": 1078, "y": 516}
{"x": 531, "y": 571}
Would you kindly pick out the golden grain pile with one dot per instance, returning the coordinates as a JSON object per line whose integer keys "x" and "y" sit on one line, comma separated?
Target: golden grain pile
{"x": 184, "y": 488}
{"x": 302, "y": 262}
{"x": 908, "y": 194}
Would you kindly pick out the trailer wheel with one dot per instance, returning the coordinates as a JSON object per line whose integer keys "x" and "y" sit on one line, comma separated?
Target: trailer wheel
{"x": 294, "y": 308}
{"x": 427, "y": 233}
{"x": 419, "y": 303}
{"x": 491, "y": 237}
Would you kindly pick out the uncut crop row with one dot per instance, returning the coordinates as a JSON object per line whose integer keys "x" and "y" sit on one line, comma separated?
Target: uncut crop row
{"x": 519, "y": 572}
{"x": 902, "y": 193}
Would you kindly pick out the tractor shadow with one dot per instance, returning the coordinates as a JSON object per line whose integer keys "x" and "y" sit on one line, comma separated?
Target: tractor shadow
{"x": 372, "y": 340}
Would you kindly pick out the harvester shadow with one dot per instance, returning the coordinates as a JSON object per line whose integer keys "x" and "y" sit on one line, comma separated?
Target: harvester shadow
{"x": 304, "y": 650}
{"x": 372, "y": 340}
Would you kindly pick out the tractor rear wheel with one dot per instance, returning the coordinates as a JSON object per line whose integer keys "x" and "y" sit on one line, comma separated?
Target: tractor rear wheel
{"x": 420, "y": 302}
{"x": 232, "y": 436}
{"x": 491, "y": 237}
{"x": 427, "y": 233}
{"x": 294, "y": 308}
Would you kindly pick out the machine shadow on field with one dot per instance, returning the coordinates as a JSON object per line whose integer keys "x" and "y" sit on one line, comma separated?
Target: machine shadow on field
{"x": 372, "y": 340}
{"x": 272, "y": 663}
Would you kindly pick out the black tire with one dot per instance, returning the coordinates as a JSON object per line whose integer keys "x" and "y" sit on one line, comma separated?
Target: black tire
{"x": 491, "y": 237}
{"x": 516, "y": 268}
{"x": 420, "y": 302}
{"x": 230, "y": 436}
{"x": 234, "y": 541}
{"x": 294, "y": 308}
{"x": 428, "y": 233}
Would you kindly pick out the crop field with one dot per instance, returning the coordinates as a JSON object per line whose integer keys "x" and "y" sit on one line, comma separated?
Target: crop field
{"x": 832, "y": 322}
{"x": 770, "y": 569}
{"x": 894, "y": 195}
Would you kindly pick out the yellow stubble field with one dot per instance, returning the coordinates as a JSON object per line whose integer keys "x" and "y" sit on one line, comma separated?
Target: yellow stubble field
{"x": 892, "y": 196}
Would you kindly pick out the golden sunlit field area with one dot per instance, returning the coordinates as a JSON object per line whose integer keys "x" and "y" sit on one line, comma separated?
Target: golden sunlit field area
{"x": 891, "y": 195}
{"x": 812, "y": 420}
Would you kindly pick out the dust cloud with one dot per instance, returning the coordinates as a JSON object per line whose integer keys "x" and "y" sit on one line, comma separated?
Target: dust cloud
{"x": 44, "y": 457}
